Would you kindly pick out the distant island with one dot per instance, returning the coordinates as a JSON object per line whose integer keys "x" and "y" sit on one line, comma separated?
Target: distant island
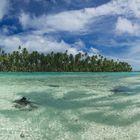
{"x": 24, "y": 61}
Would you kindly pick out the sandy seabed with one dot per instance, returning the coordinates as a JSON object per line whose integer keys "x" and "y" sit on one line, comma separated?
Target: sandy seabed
{"x": 71, "y": 106}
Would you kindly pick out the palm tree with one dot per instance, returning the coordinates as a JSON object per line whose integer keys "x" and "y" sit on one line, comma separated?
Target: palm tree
{"x": 22, "y": 60}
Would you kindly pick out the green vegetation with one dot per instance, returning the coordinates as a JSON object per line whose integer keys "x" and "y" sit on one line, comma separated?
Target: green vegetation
{"x": 22, "y": 60}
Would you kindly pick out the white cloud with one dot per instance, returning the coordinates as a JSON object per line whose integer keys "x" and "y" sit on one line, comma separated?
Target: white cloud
{"x": 79, "y": 44}
{"x": 3, "y": 8}
{"x": 124, "y": 25}
{"x": 94, "y": 51}
{"x": 34, "y": 42}
{"x": 130, "y": 55}
{"x": 79, "y": 20}
{"x": 71, "y": 21}
{"x": 25, "y": 20}
{"x": 134, "y": 6}
{"x": 127, "y": 7}
{"x": 65, "y": 21}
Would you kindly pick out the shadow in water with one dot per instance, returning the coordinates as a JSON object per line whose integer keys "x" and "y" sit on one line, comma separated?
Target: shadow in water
{"x": 54, "y": 86}
{"x": 123, "y": 90}
{"x": 101, "y": 107}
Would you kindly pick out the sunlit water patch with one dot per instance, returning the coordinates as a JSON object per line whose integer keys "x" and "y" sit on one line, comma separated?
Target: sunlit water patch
{"x": 70, "y": 106}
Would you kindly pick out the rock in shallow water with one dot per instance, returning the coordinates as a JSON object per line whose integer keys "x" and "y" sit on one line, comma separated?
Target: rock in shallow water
{"x": 22, "y": 135}
{"x": 24, "y": 104}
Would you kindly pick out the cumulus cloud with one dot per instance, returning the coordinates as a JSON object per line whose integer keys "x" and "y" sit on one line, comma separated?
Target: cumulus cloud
{"x": 34, "y": 42}
{"x": 71, "y": 21}
{"x": 3, "y": 8}
{"x": 134, "y": 6}
{"x": 79, "y": 20}
{"x": 94, "y": 51}
{"x": 25, "y": 20}
{"x": 79, "y": 44}
{"x": 130, "y": 55}
{"x": 65, "y": 21}
{"x": 126, "y": 26}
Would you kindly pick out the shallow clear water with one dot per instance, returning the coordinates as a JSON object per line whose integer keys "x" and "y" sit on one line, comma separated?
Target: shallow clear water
{"x": 71, "y": 106}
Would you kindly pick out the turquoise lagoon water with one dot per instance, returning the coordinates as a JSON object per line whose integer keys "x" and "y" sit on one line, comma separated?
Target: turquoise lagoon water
{"x": 71, "y": 106}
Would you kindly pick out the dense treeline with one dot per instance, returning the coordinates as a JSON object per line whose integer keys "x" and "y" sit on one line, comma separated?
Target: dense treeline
{"x": 22, "y": 60}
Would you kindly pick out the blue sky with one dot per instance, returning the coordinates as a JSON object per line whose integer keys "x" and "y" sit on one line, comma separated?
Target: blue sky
{"x": 107, "y": 27}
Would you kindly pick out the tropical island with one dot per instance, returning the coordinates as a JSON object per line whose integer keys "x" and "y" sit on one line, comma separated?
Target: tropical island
{"x": 22, "y": 60}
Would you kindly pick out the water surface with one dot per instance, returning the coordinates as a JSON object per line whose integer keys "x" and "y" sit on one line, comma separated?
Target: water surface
{"x": 71, "y": 106}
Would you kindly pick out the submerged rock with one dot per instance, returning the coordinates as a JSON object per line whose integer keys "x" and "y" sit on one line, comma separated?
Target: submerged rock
{"x": 76, "y": 120}
{"x": 22, "y": 135}
{"x": 24, "y": 104}
{"x": 23, "y": 101}
{"x": 120, "y": 89}
{"x": 53, "y": 85}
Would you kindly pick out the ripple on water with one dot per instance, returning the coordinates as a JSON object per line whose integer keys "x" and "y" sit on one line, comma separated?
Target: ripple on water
{"x": 77, "y": 107}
